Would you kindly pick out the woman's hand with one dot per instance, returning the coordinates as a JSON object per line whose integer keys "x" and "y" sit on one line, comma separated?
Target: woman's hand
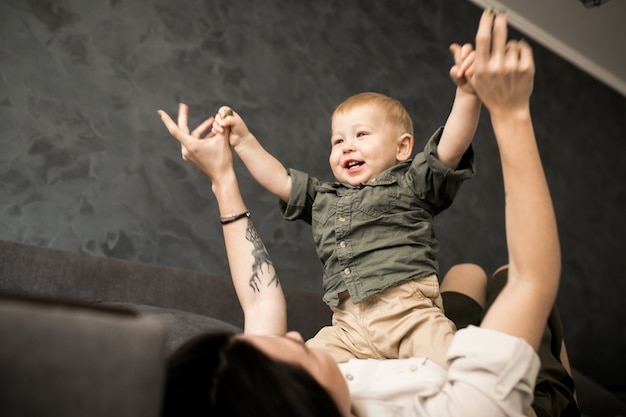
{"x": 203, "y": 148}
{"x": 502, "y": 73}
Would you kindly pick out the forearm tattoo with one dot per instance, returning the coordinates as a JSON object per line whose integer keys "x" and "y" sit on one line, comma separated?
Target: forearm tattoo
{"x": 261, "y": 258}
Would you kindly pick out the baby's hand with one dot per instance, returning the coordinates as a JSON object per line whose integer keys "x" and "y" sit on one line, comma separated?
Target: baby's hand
{"x": 463, "y": 61}
{"x": 230, "y": 123}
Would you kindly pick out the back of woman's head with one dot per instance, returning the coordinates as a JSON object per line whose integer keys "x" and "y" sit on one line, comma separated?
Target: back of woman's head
{"x": 218, "y": 375}
{"x": 190, "y": 374}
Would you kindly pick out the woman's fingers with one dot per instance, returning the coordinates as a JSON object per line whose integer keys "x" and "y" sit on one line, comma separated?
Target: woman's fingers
{"x": 171, "y": 126}
{"x": 499, "y": 36}
{"x": 483, "y": 38}
{"x": 183, "y": 113}
{"x": 175, "y": 130}
{"x": 203, "y": 127}
{"x": 519, "y": 57}
{"x": 491, "y": 38}
{"x": 511, "y": 55}
{"x": 526, "y": 61}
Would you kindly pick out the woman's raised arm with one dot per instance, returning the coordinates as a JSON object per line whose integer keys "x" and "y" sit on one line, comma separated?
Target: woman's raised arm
{"x": 254, "y": 277}
{"x": 502, "y": 77}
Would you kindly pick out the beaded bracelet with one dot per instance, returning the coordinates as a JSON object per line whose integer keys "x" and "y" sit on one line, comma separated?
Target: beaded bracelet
{"x": 229, "y": 218}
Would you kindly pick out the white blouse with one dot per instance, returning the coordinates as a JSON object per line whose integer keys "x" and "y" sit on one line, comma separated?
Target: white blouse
{"x": 490, "y": 374}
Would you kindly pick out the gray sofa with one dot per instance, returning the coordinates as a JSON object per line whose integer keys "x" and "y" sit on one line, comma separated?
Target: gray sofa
{"x": 89, "y": 336}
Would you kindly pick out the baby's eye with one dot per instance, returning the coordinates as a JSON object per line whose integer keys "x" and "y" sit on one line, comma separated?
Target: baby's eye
{"x": 337, "y": 141}
{"x": 360, "y": 134}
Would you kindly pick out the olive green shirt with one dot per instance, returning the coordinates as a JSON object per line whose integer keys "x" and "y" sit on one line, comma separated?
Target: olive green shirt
{"x": 378, "y": 234}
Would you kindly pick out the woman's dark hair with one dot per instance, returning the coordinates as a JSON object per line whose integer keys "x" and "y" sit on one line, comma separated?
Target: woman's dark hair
{"x": 218, "y": 375}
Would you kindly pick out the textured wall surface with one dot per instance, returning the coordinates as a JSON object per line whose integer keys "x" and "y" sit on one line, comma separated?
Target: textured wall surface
{"x": 87, "y": 166}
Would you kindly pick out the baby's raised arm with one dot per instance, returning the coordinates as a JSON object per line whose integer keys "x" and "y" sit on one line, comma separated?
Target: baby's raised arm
{"x": 264, "y": 167}
{"x": 462, "y": 122}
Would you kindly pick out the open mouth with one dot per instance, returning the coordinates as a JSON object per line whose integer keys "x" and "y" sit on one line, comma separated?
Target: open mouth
{"x": 352, "y": 164}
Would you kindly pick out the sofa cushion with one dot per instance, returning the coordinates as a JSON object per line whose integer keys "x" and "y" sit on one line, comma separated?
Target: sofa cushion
{"x": 66, "y": 359}
{"x": 179, "y": 326}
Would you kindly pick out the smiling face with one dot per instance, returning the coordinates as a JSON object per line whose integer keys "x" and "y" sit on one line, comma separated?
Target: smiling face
{"x": 365, "y": 142}
{"x": 291, "y": 348}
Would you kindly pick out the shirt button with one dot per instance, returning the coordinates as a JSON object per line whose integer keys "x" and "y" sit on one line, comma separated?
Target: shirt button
{"x": 342, "y": 219}
{"x": 499, "y": 390}
{"x": 347, "y": 271}
{"x": 349, "y": 377}
{"x": 343, "y": 244}
{"x": 413, "y": 367}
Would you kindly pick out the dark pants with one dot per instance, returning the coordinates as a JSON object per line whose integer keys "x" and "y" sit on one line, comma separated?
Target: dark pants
{"x": 554, "y": 391}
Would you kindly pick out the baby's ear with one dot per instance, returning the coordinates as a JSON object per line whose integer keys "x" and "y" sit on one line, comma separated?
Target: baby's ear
{"x": 405, "y": 147}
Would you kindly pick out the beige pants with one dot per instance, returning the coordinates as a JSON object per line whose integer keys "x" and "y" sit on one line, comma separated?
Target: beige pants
{"x": 403, "y": 321}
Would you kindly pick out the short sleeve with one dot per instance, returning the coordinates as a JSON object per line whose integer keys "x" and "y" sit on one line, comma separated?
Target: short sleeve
{"x": 434, "y": 182}
{"x": 300, "y": 203}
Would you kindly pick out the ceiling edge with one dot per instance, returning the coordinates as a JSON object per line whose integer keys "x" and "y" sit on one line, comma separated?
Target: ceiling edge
{"x": 557, "y": 46}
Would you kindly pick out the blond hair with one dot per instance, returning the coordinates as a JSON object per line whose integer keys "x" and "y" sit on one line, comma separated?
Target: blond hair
{"x": 393, "y": 110}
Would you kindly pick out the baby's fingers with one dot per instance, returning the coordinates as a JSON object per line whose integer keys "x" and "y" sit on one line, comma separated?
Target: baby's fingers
{"x": 467, "y": 63}
{"x": 463, "y": 59}
{"x": 466, "y": 50}
{"x": 225, "y": 111}
{"x": 222, "y": 119}
{"x": 460, "y": 53}
{"x": 455, "y": 50}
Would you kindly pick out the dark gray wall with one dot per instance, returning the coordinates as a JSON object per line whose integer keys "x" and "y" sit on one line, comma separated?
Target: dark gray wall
{"x": 87, "y": 166}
